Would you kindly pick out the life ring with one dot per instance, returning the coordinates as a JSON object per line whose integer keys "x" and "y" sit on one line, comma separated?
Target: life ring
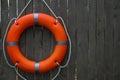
{"x": 13, "y": 49}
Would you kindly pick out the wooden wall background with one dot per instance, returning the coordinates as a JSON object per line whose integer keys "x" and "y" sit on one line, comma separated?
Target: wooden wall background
{"x": 94, "y": 27}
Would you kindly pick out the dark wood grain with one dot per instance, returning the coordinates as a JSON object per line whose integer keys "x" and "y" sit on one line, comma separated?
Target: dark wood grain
{"x": 92, "y": 40}
{"x": 109, "y": 40}
{"x": 72, "y": 18}
{"x": 82, "y": 39}
{"x": 100, "y": 41}
{"x": 3, "y": 67}
{"x": 5, "y": 70}
{"x": 116, "y": 55}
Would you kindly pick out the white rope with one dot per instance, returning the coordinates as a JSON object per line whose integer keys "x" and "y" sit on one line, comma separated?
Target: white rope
{"x": 21, "y": 76}
{"x": 24, "y": 9}
{"x": 50, "y": 9}
{"x": 4, "y": 38}
{"x": 58, "y": 72}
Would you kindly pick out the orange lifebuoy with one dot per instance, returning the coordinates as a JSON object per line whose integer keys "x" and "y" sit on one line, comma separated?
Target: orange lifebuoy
{"x": 25, "y": 22}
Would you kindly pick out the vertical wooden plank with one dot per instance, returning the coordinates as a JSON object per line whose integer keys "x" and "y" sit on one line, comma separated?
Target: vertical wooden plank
{"x": 82, "y": 39}
{"x": 0, "y": 40}
{"x": 92, "y": 40}
{"x": 5, "y": 17}
{"x": 112, "y": 18}
{"x": 100, "y": 64}
{"x": 12, "y": 8}
{"x": 71, "y": 22}
{"x": 0, "y": 12}
{"x": 109, "y": 40}
{"x": 116, "y": 24}
{"x": 0, "y": 29}
{"x": 3, "y": 66}
{"x": 37, "y": 6}
{"x": 7, "y": 8}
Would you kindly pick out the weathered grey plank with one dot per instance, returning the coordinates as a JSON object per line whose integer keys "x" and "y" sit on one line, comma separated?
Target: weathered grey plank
{"x": 5, "y": 17}
{"x": 82, "y": 39}
{"x": 71, "y": 22}
{"x": 100, "y": 41}
{"x": 6, "y": 71}
{"x": 0, "y": 39}
{"x": 92, "y": 40}
{"x": 116, "y": 55}
{"x": 113, "y": 49}
{"x": 3, "y": 65}
{"x": 0, "y": 11}
{"x": 109, "y": 39}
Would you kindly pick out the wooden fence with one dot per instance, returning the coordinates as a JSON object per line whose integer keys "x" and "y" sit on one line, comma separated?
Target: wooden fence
{"x": 94, "y": 28}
